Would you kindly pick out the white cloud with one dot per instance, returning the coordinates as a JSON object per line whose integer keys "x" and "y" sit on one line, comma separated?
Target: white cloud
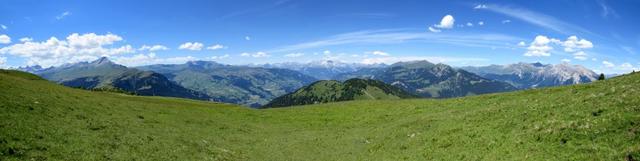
{"x": 608, "y": 64}
{"x": 220, "y": 57}
{"x": 4, "y": 39}
{"x": 506, "y": 21}
{"x": 481, "y": 23}
{"x": 91, "y": 40}
{"x": 26, "y": 39}
{"x": 294, "y": 55}
{"x": 330, "y": 56}
{"x": 539, "y": 47}
{"x": 626, "y": 66}
{"x": 3, "y": 61}
{"x": 153, "y": 48}
{"x": 191, "y": 46}
{"x": 379, "y": 53}
{"x": 622, "y": 68}
{"x": 136, "y": 60}
{"x": 63, "y": 15}
{"x": 446, "y": 22}
{"x": 3, "y": 27}
{"x": 247, "y": 38}
{"x": 215, "y": 47}
{"x": 469, "y": 24}
{"x": 581, "y": 55}
{"x": 480, "y": 6}
{"x": 573, "y": 44}
{"x": 432, "y": 29}
{"x": 522, "y": 43}
{"x": 75, "y": 48}
{"x": 565, "y": 60}
{"x": 259, "y": 54}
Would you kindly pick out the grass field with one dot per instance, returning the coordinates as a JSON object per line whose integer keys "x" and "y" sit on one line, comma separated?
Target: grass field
{"x": 40, "y": 120}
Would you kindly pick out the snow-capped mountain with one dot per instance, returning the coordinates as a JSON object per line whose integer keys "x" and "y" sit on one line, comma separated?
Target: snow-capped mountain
{"x": 534, "y": 75}
{"x": 31, "y": 69}
{"x": 322, "y": 70}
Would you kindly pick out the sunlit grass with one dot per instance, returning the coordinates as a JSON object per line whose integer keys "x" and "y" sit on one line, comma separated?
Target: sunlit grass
{"x": 598, "y": 121}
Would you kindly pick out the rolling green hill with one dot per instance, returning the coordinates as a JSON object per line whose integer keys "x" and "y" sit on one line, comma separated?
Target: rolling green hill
{"x": 41, "y": 120}
{"x": 334, "y": 91}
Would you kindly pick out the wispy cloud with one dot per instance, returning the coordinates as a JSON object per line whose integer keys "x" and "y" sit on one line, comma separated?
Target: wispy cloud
{"x": 538, "y": 19}
{"x": 63, "y": 15}
{"x": 368, "y": 15}
{"x": 607, "y": 10}
{"x": 259, "y": 54}
{"x": 392, "y": 36}
{"x": 195, "y": 46}
{"x": 294, "y": 55}
{"x": 255, "y": 10}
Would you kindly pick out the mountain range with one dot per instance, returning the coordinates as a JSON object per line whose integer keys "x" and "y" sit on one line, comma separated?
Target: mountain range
{"x": 426, "y": 79}
{"x": 536, "y": 75}
{"x": 249, "y": 86}
{"x": 104, "y": 74}
{"x": 257, "y": 85}
{"x": 334, "y": 91}
{"x": 322, "y": 70}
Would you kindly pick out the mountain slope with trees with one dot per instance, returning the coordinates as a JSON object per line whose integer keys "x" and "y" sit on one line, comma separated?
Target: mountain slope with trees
{"x": 431, "y": 80}
{"x": 334, "y": 91}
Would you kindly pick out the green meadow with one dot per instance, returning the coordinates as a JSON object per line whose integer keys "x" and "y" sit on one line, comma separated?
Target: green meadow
{"x": 40, "y": 120}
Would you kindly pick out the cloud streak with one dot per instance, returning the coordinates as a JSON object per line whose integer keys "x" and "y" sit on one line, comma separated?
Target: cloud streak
{"x": 63, "y": 15}
{"x": 394, "y": 36}
{"x": 538, "y": 19}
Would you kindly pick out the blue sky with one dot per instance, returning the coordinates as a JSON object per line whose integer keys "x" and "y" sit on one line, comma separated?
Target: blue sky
{"x": 601, "y": 35}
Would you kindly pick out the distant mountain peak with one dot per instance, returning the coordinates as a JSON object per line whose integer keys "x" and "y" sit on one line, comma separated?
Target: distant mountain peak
{"x": 415, "y": 63}
{"x": 535, "y": 75}
{"x": 201, "y": 64}
{"x": 102, "y": 60}
{"x": 537, "y": 64}
{"x": 31, "y": 69}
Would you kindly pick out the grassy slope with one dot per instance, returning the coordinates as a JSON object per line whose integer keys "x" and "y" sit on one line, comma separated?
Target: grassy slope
{"x": 325, "y": 91}
{"x": 598, "y": 121}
